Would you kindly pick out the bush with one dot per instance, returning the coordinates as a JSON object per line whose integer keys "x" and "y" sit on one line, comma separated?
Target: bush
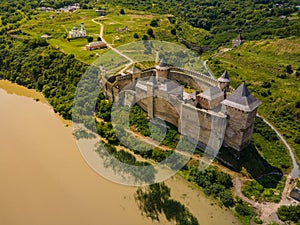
{"x": 90, "y": 39}
{"x": 289, "y": 213}
{"x": 297, "y": 140}
{"x": 266, "y": 84}
{"x": 136, "y": 36}
{"x": 173, "y": 31}
{"x": 154, "y": 23}
{"x": 243, "y": 209}
{"x": 289, "y": 69}
{"x": 122, "y": 12}
{"x": 145, "y": 37}
{"x": 150, "y": 32}
{"x": 226, "y": 198}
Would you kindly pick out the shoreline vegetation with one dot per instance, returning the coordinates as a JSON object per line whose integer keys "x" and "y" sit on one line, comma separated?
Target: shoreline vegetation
{"x": 54, "y": 68}
{"x": 19, "y": 90}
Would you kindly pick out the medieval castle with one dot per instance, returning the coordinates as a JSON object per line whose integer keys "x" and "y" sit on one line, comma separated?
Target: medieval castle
{"x": 214, "y": 115}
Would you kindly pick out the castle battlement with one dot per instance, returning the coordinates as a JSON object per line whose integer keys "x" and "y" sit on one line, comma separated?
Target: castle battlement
{"x": 213, "y": 116}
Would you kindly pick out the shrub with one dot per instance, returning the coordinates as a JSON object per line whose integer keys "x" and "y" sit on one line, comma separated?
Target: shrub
{"x": 122, "y": 12}
{"x": 136, "y": 36}
{"x": 154, "y": 23}
{"x": 244, "y": 210}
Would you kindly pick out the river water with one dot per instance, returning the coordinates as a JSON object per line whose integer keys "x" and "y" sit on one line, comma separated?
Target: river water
{"x": 44, "y": 179}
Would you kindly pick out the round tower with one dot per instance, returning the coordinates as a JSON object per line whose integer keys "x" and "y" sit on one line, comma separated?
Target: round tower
{"x": 162, "y": 70}
{"x": 224, "y": 81}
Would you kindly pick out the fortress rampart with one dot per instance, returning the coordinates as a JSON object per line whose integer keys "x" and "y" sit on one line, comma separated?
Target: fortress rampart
{"x": 208, "y": 116}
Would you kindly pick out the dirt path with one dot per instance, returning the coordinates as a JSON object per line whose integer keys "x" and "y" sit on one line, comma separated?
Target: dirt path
{"x": 131, "y": 62}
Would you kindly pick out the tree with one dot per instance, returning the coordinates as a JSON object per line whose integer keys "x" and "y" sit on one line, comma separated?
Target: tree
{"x": 99, "y": 39}
{"x": 154, "y": 23}
{"x": 136, "y": 36}
{"x": 289, "y": 69}
{"x": 122, "y": 12}
{"x": 145, "y": 37}
{"x": 173, "y": 31}
{"x": 226, "y": 198}
{"x": 150, "y": 32}
{"x": 90, "y": 39}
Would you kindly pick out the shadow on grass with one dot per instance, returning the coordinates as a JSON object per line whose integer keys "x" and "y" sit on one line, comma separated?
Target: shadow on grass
{"x": 250, "y": 161}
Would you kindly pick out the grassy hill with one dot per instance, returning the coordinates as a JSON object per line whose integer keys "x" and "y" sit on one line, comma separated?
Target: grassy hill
{"x": 271, "y": 69}
{"x": 137, "y": 22}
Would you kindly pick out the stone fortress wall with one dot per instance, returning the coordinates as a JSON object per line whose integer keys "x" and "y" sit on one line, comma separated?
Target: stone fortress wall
{"x": 208, "y": 117}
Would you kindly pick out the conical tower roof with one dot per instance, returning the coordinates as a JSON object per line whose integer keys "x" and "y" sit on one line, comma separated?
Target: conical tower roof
{"x": 162, "y": 65}
{"x": 224, "y": 78}
{"x": 242, "y": 99}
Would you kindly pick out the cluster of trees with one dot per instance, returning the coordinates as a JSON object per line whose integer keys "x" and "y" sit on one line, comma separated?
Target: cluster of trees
{"x": 35, "y": 65}
{"x": 225, "y": 19}
{"x": 265, "y": 188}
{"x": 214, "y": 183}
{"x": 155, "y": 200}
{"x": 289, "y": 213}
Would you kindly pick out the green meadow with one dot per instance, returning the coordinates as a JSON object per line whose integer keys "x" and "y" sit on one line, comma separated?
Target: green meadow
{"x": 271, "y": 70}
{"x": 61, "y": 23}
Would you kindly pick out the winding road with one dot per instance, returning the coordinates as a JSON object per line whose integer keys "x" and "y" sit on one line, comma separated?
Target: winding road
{"x": 267, "y": 210}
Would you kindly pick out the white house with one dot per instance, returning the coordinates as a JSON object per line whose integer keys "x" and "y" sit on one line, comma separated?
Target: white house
{"x": 76, "y": 33}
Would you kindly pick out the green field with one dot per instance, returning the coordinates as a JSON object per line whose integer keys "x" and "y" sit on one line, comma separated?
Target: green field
{"x": 62, "y": 23}
{"x": 263, "y": 65}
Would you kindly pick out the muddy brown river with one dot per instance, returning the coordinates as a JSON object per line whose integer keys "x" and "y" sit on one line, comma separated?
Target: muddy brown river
{"x": 44, "y": 179}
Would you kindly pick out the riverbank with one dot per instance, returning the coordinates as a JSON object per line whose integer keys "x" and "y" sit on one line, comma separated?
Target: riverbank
{"x": 46, "y": 181}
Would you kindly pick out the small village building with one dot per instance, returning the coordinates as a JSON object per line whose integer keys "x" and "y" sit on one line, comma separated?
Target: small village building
{"x": 95, "y": 45}
{"x": 122, "y": 29}
{"x": 237, "y": 41}
{"x": 46, "y": 36}
{"x": 76, "y": 33}
{"x": 295, "y": 194}
{"x": 100, "y": 12}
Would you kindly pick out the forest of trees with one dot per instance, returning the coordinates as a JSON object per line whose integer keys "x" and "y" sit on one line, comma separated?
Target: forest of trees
{"x": 36, "y": 65}
{"x": 224, "y": 19}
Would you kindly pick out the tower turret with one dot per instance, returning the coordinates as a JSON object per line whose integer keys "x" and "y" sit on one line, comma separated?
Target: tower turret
{"x": 162, "y": 70}
{"x": 224, "y": 81}
{"x": 241, "y": 108}
{"x": 82, "y": 27}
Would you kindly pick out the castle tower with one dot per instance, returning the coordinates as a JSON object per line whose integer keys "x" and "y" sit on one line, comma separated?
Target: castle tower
{"x": 82, "y": 27}
{"x": 241, "y": 108}
{"x": 82, "y": 30}
{"x": 162, "y": 70}
{"x": 224, "y": 81}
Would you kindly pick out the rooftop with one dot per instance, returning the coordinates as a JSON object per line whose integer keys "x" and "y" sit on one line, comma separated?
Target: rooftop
{"x": 224, "y": 78}
{"x": 212, "y": 93}
{"x": 96, "y": 43}
{"x": 242, "y": 99}
{"x": 162, "y": 65}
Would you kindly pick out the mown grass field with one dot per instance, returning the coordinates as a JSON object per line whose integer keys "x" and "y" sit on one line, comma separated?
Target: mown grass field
{"x": 263, "y": 66}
